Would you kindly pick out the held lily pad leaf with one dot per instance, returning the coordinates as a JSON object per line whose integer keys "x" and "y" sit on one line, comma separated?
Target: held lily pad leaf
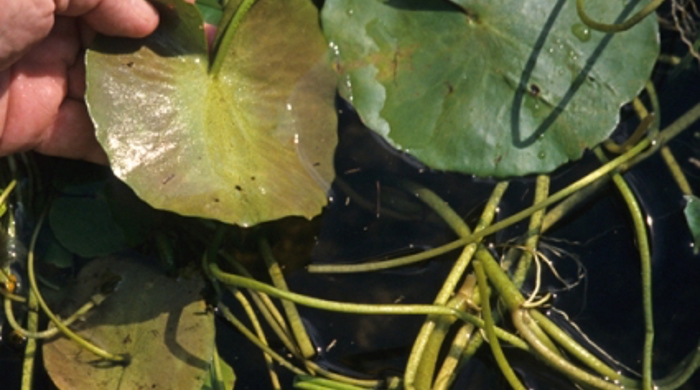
{"x": 162, "y": 323}
{"x": 252, "y": 143}
{"x": 496, "y": 87}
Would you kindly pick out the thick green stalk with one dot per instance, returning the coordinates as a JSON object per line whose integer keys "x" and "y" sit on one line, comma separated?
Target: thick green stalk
{"x": 534, "y": 231}
{"x": 421, "y": 363}
{"x": 296, "y": 325}
{"x": 358, "y": 308}
{"x": 489, "y": 326}
{"x": 322, "y": 383}
{"x": 320, "y": 371}
{"x": 30, "y": 347}
{"x": 451, "y": 364}
{"x": 580, "y": 353}
{"x": 522, "y": 321}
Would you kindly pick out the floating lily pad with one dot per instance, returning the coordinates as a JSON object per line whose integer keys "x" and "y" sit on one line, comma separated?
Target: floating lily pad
{"x": 692, "y": 216}
{"x": 95, "y": 214}
{"x": 85, "y": 226}
{"x": 162, "y": 323}
{"x": 251, "y": 144}
{"x": 488, "y": 87}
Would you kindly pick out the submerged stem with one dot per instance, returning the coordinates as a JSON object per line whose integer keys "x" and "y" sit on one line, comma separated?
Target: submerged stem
{"x": 274, "y": 379}
{"x": 251, "y": 336}
{"x": 676, "y": 171}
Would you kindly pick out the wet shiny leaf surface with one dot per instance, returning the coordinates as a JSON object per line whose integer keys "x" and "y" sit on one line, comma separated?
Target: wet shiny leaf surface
{"x": 253, "y": 144}
{"x": 488, "y": 87}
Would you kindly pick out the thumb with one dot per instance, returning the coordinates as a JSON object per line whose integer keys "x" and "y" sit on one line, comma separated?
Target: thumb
{"x": 130, "y": 18}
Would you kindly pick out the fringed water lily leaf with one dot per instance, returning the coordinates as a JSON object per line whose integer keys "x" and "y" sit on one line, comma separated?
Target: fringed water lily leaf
{"x": 489, "y": 87}
{"x": 252, "y": 143}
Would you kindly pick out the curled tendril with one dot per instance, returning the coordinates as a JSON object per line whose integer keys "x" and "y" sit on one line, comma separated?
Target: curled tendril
{"x": 624, "y": 26}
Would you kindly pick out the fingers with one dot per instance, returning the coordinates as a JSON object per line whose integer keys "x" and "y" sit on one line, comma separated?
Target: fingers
{"x": 34, "y": 111}
{"x": 23, "y": 23}
{"x": 131, "y": 18}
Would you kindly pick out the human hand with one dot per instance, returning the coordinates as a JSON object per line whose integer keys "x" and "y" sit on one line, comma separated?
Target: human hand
{"x": 42, "y": 73}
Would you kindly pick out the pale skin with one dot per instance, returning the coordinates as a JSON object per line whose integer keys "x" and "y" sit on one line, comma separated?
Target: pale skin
{"x": 42, "y": 75}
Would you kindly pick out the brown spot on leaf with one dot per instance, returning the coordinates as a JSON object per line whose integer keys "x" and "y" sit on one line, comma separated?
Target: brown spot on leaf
{"x": 534, "y": 90}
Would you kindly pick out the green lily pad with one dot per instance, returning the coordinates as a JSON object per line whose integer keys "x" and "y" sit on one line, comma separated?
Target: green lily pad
{"x": 85, "y": 226}
{"x": 251, "y": 144}
{"x": 162, "y": 323}
{"x": 692, "y": 216}
{"x": 488, "y": 87}
{"x": 96, "y": 215}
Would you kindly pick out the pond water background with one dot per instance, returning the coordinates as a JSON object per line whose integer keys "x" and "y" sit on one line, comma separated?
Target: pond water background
{"x": 605, "y": 304}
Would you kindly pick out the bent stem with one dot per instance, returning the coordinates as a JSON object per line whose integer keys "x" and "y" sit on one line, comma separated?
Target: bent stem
{"x": 613, "y": 28}
{"x": 33, "y": 333}
{"x": 358, "y": 308}
{"x": 645, "y": 259}
{"x": 119, "y": 359}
